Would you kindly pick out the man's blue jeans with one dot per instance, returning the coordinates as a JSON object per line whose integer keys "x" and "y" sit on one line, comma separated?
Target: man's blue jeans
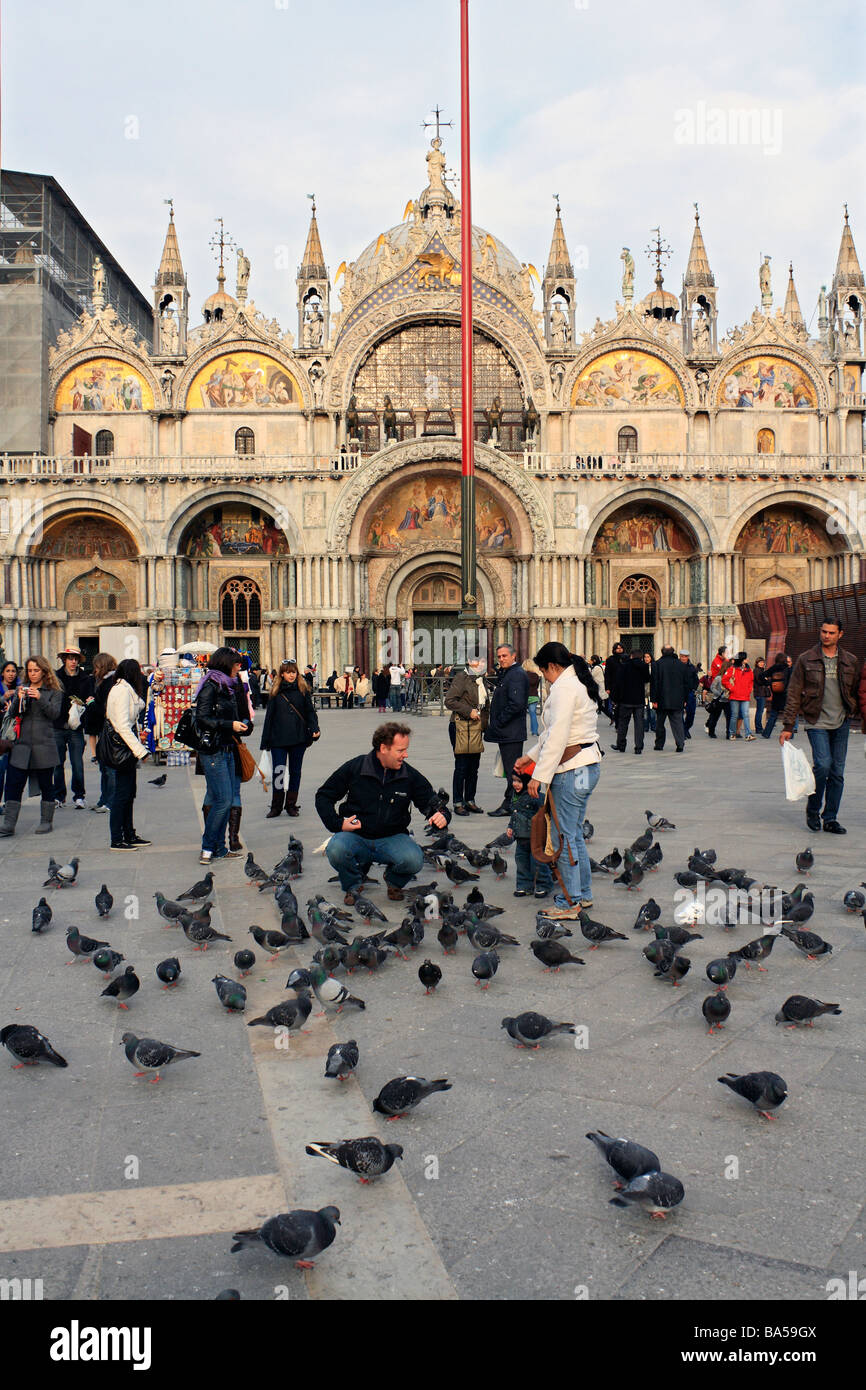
{"x": 570, "y": 792}
{"x": 829, "y": 749}
{"x": 351, "y": 855}
{"x": 394, "y": 698}
{"x": 72, "y": 739}
{"x": 218, "y": 769}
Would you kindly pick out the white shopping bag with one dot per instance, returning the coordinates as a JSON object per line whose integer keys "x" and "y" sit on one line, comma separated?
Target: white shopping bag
{"x": 266, "y": 765}
{"x": 498, "y": 768}
{"x": 799, "y": 779}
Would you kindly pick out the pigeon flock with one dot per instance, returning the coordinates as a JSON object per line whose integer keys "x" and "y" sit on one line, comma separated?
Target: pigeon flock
{"x": 337, "y": 944}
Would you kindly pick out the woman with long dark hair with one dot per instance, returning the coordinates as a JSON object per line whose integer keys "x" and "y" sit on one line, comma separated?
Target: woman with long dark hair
{"x": 567, "y": 759}
{"x": 9, "y": 682}
{"x": 104, "y": 676}
{"x": 290, "y": 720}
{"x": 217, "y": 708}
{"x": 123, "y": 710}
{"x": 38, "y": 701}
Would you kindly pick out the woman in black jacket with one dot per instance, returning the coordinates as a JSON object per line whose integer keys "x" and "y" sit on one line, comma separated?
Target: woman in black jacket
{"x": 290, "y": 720}
{"x": 776, "y": 678}
{"x": 38, "y": 701}
{"x": 217, "y": 710}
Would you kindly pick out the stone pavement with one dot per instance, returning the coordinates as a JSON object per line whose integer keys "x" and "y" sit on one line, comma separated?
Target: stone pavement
{"x": 113, "y": 1188}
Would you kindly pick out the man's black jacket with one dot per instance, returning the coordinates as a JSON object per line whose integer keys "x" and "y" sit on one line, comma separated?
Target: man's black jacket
{"x": 508, "y": 706}
{"x": 382, "y": 798}
{"x": 631, "y": 681}
{"x": 670, "y": 683}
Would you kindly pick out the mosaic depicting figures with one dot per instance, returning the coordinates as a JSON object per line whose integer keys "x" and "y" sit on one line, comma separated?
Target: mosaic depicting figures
{"x": 783, "y": 531}
{"x": 422, "y": 511}
{"x": 639, "y": 529}
{"x": 233, "y": 530}
{"x": 768, "y": 383}
{"x": 242, "y": 379}
{"x": 83, "y": 537}
{"x": 104, "y": 385}
{"x": 618, "y": 379}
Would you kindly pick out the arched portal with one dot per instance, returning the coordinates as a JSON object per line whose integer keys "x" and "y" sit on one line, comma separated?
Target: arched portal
{"x": 240, "y": 610}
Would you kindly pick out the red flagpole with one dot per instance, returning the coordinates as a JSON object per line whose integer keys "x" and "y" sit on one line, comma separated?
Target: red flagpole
{"x": 468, "y": 615}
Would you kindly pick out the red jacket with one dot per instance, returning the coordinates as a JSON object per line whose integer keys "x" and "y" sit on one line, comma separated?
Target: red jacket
{"x": 718, "y": 663}
{"x": 739, "y": 680}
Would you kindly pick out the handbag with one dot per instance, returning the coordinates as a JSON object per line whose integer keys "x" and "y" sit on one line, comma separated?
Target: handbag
{"x": 76, "y": 709}
{"x": 468, "y": 736}
{"x": 541, "y": 842}
{"x": 248, "y": 762}
{"x": 194, "y": 735}
{"x": 111, "y": 749}
{"x": 308, "y": 733}
{"x": 777, "y": 684}
{"x": 9, "y": 726}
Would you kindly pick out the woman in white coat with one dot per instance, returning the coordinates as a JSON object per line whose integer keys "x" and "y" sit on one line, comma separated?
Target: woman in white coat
{"x": 122, "y": 710}
{"x": 567, "y": 759}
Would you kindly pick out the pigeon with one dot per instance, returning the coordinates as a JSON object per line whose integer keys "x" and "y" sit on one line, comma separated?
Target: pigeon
{"x": 81, "y": 945}
{"x": 595, "y": 868}
{"x": 298, "y": 1235}
{"x": 228, "y": 1296}
{"x": 400, "y": 937}
{"x": 597, "y": 932}
{"x": 123, "y": 987}
{"x": 801, "y": 1009}
{"x": 457, "y": 875}
{"x": 643, "y": 842}
{"x": 106, "y": 960}
{"x": 588, "y": 831}
{"x": 811, "y": 945}
{"x": 658, "y": 822}
{"x": 202, "y": 934}
{"x": 501, "y": 842}
{"x": 500, "y": 865}
{"x": 367, "y": 911}
{"x": 475, "y": 898}
{"x": 720, "y": 972}
{"x": 657, "y": 1191}
{"x": 680, "y": 967}
{"x": 553, "y": 955}
{"x": 199, "y": 891}
{"x": 765, "y": 1089}
{"x": 715, "y": 1009}
{"x": 612, "y": 860}
{"x": 528, "y": 1029}
{"x": 546, "y": 930}
{"x": 169, "y": 972}
{"x": 448, "y": 936}
{"x": 104, "y": 901}
{"x": 485, "y": 937}
{"x": 368, "y": 1157}
{"x": 652, "y": 858}
{"x": 484, "y": 911}
{"x": 419, "y": 890}
{"x": 299, "y": 979}
{"x": 230, "y": 993}
{"x": 686, "y": 878}
{"x": 330, "y": 958}
{"x": 330, "y": 993}
{"x": 328, "y": 909}
{"x": 631, "y": 877}
{"x": 480, "y": 859}
{"x": 169, "y": 911}
{"x": 648, "y": 913}
{"x": 292, "y": 927}
{"x": 244, "y": 961}
{"x": 804, "y": 861}
{"x": 854, "y": 901}
{"x": 404, "y": 1093}
{"x": 677, "y": 936}
{"x": 29, "y": 1046}
{"x": 42, "y": 915}
{"x": 661, "y": 955}
{"x": 285, "y": 899}
{"x": 151, "y": 1055}
{"x": 429, "y": 975}
{"x": 342, "y": 1060}
{"x": 158, "y": 781}
{"x": 798, "y": 913}
{"x": 627, "y": 1159}
{"x": 253, "y": 871}
{"x": 758, "y": 949}
{"x": 291, "y": 1014}
{"x": 61, "y": 875}
{"x": 484, "y": 967}
{"x": 709, "y": 856}
{"x": 273, "y": 941}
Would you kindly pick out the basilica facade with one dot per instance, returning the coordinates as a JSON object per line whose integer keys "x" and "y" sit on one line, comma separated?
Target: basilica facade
{"x": 298, "y": 493}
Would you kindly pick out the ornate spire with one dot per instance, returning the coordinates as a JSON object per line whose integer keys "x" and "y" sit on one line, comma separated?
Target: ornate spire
{"x": 848, "y": 270}
{"x": 792, "y": 311}
{"x": 698, "y": 273}
{"x": 313, "y": 263}
{"x": 170, "y": 267}
{"x": 559, "y": 261}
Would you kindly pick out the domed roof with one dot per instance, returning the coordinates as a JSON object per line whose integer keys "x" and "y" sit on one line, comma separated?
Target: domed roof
{"x": 506, "y": 262}
{"x": 220, "y": 302}
{"x": 658, "y": 301}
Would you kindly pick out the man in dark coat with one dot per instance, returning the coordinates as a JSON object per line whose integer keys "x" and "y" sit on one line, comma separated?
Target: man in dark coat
{"x": 616, "y": 659}
{"x": 376, "y": 792}
{"x": 628, "y": 694}
{"x": 668, "y": 693}
{"x": 823, "y": 689}
{"x": 507, "y": 723}
{"x": 691, "y": 703}
{"x": 80, "y": 687}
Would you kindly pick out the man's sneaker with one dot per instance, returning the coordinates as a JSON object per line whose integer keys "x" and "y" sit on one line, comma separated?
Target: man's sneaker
{"x": 563, "y": 914}
{"x": 834, "y": 827}
{"x": 60, "y": 805}
{"x": 138, "y": 840}
{"x": 100, "y": 809}
{"x": 541, "y": 893}
{"x": 585, "y": 904}
{"x": 519, "y": 893}
{"x": 750, "y": 738}
{"x": 121, "y": 844}
{"x": 79, "y": 803}
{"x": 206, "y": 857}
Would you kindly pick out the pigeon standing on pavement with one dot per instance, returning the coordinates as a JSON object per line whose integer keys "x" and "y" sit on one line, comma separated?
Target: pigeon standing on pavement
{"x": 799, "y": 1008}
{"x": 158, "y": 781}
{"x": 61, "y": 875}
{"x": 152, "y": 1055}
{"x": 658, "y": 1192}
{"x": 808, "y": 942}
{"x": 291, "y": 1014}
{"x": 484, "y": 967}
{"x": 648, "y": 913}
{"x": 330, "y": 993}
{"x": 230, "y": 993}
{"x": 106, "y": 960}
{"x": 244, "y": 961}
{"x": 720, "y": 972}
{"x": 342, "y": 1060}
{"x": 199, "y": 891}
{"x": 404, "y": 1093}
{"x": 42, "y": 915}
{"x": 528, "y": 1029}
{"x": 123, "y": 987}
{"x": 448, "y": 936}
{"x": 29, "y": 1046}
{"x": 201, "y": 934}
{"x": 429, "y": 975}
{"x": 854, "y": 900}
{"x": 254, "y": 873}
{"x": 168, "y": 971}
{"x": 765, "y": 1089}
{"x": 297, "y": 1235}
{"x": 169, "y": 911}
{"x": 757, "y": 950}
{"x": 553, "y": 955}
{"x": 369, "y": 1158}
{"x": 104, "y": 901}
{"x": 597, "y": 932}
{"x": 658, "y": 822}
{"x": 716, "y": 1009}
{"x": 82, "y": 946}
{"x": 627, "y": 1159}
{"x": 804, "y": 861}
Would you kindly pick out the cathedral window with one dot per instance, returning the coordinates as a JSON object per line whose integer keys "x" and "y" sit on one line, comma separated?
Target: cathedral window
{"x": 245, "y": 441}
{"x": 104, "y": 446}
{"x": 637, "y": 602}
{"x": 241, "y": 606}
{"x": 626, "y": 441}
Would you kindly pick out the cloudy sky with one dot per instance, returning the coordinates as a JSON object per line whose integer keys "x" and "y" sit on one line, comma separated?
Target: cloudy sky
{"x": 630, "y": 111}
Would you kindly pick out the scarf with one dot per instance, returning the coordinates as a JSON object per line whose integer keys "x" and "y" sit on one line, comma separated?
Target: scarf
{"x": 482, "y": 688}
{"x": 221, "y": 679}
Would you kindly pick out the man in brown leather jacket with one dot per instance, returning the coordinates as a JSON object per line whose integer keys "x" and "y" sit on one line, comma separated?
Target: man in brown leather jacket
{"x": 823, "y": 689}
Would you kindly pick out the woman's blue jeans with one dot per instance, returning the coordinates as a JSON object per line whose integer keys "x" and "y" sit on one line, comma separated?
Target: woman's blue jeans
{"x": 570, "y": 792}
{"x": 533, "y": 716}
{"x": 740, "y": 710}
{"x": 218, "y": 769}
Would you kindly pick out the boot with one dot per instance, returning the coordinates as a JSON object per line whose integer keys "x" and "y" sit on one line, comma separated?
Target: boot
{"x": 46, "y": 818}
{"x": 277, "y": 799}
{"x": 292, "y": 807}
{"x": 234, "y": 826}
{"x": 10, "y": 818}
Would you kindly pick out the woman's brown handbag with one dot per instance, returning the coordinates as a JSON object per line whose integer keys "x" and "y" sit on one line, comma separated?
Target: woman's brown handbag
{"x": 468, "y": 736}
{"x": 248, "y": 762}
{"x": 541, "y": 845}
{"x": 777, "y": 684}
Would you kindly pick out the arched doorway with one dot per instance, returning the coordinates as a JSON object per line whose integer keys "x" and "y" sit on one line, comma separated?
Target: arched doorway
{"x": 435, "y": 607}
{"x": 240, "y": 609}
